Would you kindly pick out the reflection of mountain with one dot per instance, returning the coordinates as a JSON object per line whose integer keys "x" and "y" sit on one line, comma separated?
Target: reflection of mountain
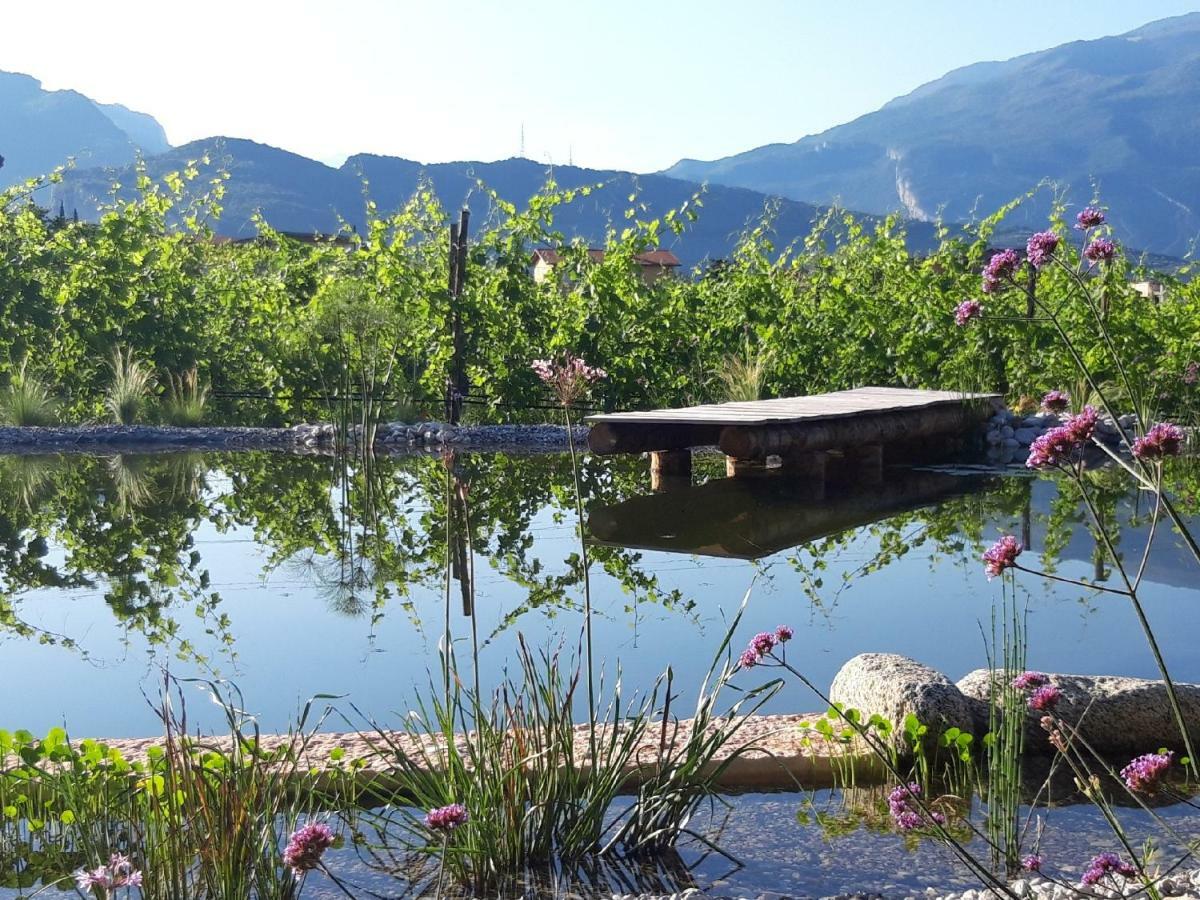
{"x": 753, "y": 517}
{"x": 1171, "y": 563}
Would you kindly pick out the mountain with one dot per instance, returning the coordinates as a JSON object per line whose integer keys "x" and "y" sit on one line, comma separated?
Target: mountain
{"x": 295, "y": 193}
{"x": 42, "y": 129}
{"x": 1118, "y": 111}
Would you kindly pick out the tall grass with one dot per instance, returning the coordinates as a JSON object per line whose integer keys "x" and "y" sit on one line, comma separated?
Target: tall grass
{"x": 27, "y": 401}
{"x": 131, "y": 384}
{"x": 742, "y": 376}
{"x": 186, "y": 399}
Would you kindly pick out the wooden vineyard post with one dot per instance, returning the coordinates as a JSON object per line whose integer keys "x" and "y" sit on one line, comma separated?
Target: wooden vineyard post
{"x": 456, "y": 381}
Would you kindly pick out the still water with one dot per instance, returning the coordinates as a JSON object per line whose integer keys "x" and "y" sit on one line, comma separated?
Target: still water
{"x": 296, "y": 576}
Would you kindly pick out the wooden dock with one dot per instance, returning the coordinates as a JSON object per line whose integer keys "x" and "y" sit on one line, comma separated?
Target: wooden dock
{"x": 792, "y": 432}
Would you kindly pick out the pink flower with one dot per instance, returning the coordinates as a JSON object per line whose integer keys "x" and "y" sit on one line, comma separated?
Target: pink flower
{"x": 1060, "y": 444}
{"x": 1105, "y": 864}
{"x": 966, "y": 311}
{"x": 1040, "y": 247}
{"x": 1146, "y": 772}
{"x": 1045, "y": 698}
{"x": 748, "y": 659}
{"x": 1191, "y": 374}
{"x": 1002, "y": 266}
{"x": 306, "y": 846}
{"x": 446, "y": 818}
{"x": 118, "y": 873}
{"x": 1159, "y": 442}
{"x": 1100, "y": 250}
{"x": 784, "y": 633}
{"x": 1088, "y": 217}
{"x": 569, "y": 377}
{"x": 1001, "y": 555}
{"x": 1029, "y": 680}
{"x": 1056, "y": 402}
{"x": 1032, "y": 862}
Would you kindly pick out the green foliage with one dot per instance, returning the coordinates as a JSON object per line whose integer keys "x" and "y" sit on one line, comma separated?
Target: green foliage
{"x": 282, "y": 322}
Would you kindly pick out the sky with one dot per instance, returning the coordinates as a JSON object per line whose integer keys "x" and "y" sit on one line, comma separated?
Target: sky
{"x": 613, "y": 84}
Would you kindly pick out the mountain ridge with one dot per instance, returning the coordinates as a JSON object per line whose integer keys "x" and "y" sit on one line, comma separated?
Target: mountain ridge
{"x": 1105, "y": 111}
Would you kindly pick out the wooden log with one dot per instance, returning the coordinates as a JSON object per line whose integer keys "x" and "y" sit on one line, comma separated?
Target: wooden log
{"x": 760, "y": 441}
{"x": 620, "y": 437}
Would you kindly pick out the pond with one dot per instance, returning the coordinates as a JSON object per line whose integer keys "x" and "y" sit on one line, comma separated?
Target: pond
{"x": 294, "y": 576}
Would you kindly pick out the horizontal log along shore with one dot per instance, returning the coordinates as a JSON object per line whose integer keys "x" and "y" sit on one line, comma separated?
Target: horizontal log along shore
{"x": 781, "y": 755}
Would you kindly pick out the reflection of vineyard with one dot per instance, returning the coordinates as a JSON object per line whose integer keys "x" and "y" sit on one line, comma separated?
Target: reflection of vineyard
{"x": 366, "y": 535}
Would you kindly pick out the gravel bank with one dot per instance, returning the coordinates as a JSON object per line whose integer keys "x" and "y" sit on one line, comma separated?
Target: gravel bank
{"x": 390, "y": 438}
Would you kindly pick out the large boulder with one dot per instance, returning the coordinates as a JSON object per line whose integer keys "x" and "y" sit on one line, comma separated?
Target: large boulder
{"x": 1118, "y": 715}
{"x": 894, "y": 686}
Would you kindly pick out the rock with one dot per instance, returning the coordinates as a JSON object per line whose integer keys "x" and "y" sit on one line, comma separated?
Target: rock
{"x": 1007, "y": 431}
{"x": 1124, "y": 716}
{"x": 1038, "y": 421}
{"x": 1025, "y": 436}
{"x": 894, "y": 686}
{"x": 993, "y": 436}
{"x": 1010, "y": 442}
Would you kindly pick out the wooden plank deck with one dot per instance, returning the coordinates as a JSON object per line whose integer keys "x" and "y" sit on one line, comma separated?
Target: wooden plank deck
{"x": 835, "y": 405}
{"x": 790, "y": 425}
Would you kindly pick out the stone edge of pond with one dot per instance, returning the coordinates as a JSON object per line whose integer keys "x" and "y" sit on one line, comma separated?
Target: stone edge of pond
{"x": 779, "y": 754}
{"x": 393, "y": 438}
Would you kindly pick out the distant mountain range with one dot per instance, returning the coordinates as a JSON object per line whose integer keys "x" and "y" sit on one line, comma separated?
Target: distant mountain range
{"x": 40, "y": 129}
{"x": 295, "y": 193}
{"x": 1119, "y": 111}
{"x": 1117, "y": 114}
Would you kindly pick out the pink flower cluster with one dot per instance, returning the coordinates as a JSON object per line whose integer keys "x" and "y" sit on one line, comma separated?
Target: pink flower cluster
{"x": 306, "y": 846}
{"x": 1159, "y": 442}
{"x": 966, "y": 311}
{"x": 1056, "y": 402}
{"x": 118, "y": 873}
{"x": 763, "y": 643}
{"x": 1060, "y": 444}
{"x": 906, "y": 813}
{"x": 1146, "y": 772}
{"x": 1191, "y": 373}
{"x": 568, "y": 377}
{"x": 1033, "y": 862}
{"x": 1107, "y": 864}
{"x": 1001, "y": 555}
{"x": 1100, "y": 250}
{"x": 1045, "y": 698}
{"x": 1027, "y": 681}
{"x": 446, "y": 818}
{"x": 1040, "y": 247}
{"x": 1089, "y": 217}
{"x": 1001, "y": 267}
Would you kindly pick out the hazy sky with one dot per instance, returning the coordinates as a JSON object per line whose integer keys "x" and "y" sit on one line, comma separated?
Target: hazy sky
{"x": 614, "y": 84}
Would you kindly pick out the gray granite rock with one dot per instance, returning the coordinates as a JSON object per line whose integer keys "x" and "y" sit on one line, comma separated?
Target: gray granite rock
{"x": 1026, "y": 436}
{"x": 894, "y": 686}
{"x": 1115, "y": 714}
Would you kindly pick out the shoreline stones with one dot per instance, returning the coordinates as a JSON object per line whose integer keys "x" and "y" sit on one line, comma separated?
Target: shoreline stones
{"x": 894, "y": 686}
{"x": 1114, "y": 714}
{"x": 393, "y": 437}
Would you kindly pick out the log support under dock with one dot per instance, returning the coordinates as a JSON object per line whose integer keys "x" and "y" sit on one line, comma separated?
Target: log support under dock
{"x": 670, "y": 468}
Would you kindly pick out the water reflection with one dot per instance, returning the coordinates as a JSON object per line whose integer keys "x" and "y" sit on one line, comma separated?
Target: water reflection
{"x": 299, "y": 575}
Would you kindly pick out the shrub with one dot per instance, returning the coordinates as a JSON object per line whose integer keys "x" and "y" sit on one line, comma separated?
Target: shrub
{"x": 186, "y": 400}
{"x": 27, "y": 400}
{"x": 131, "y": 384}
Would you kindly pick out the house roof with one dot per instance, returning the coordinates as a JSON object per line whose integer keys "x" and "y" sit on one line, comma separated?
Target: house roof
{"x": 663, "y": 258}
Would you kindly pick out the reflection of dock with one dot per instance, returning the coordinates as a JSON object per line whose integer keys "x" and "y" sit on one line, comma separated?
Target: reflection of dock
{"x": 748, "y": 518}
